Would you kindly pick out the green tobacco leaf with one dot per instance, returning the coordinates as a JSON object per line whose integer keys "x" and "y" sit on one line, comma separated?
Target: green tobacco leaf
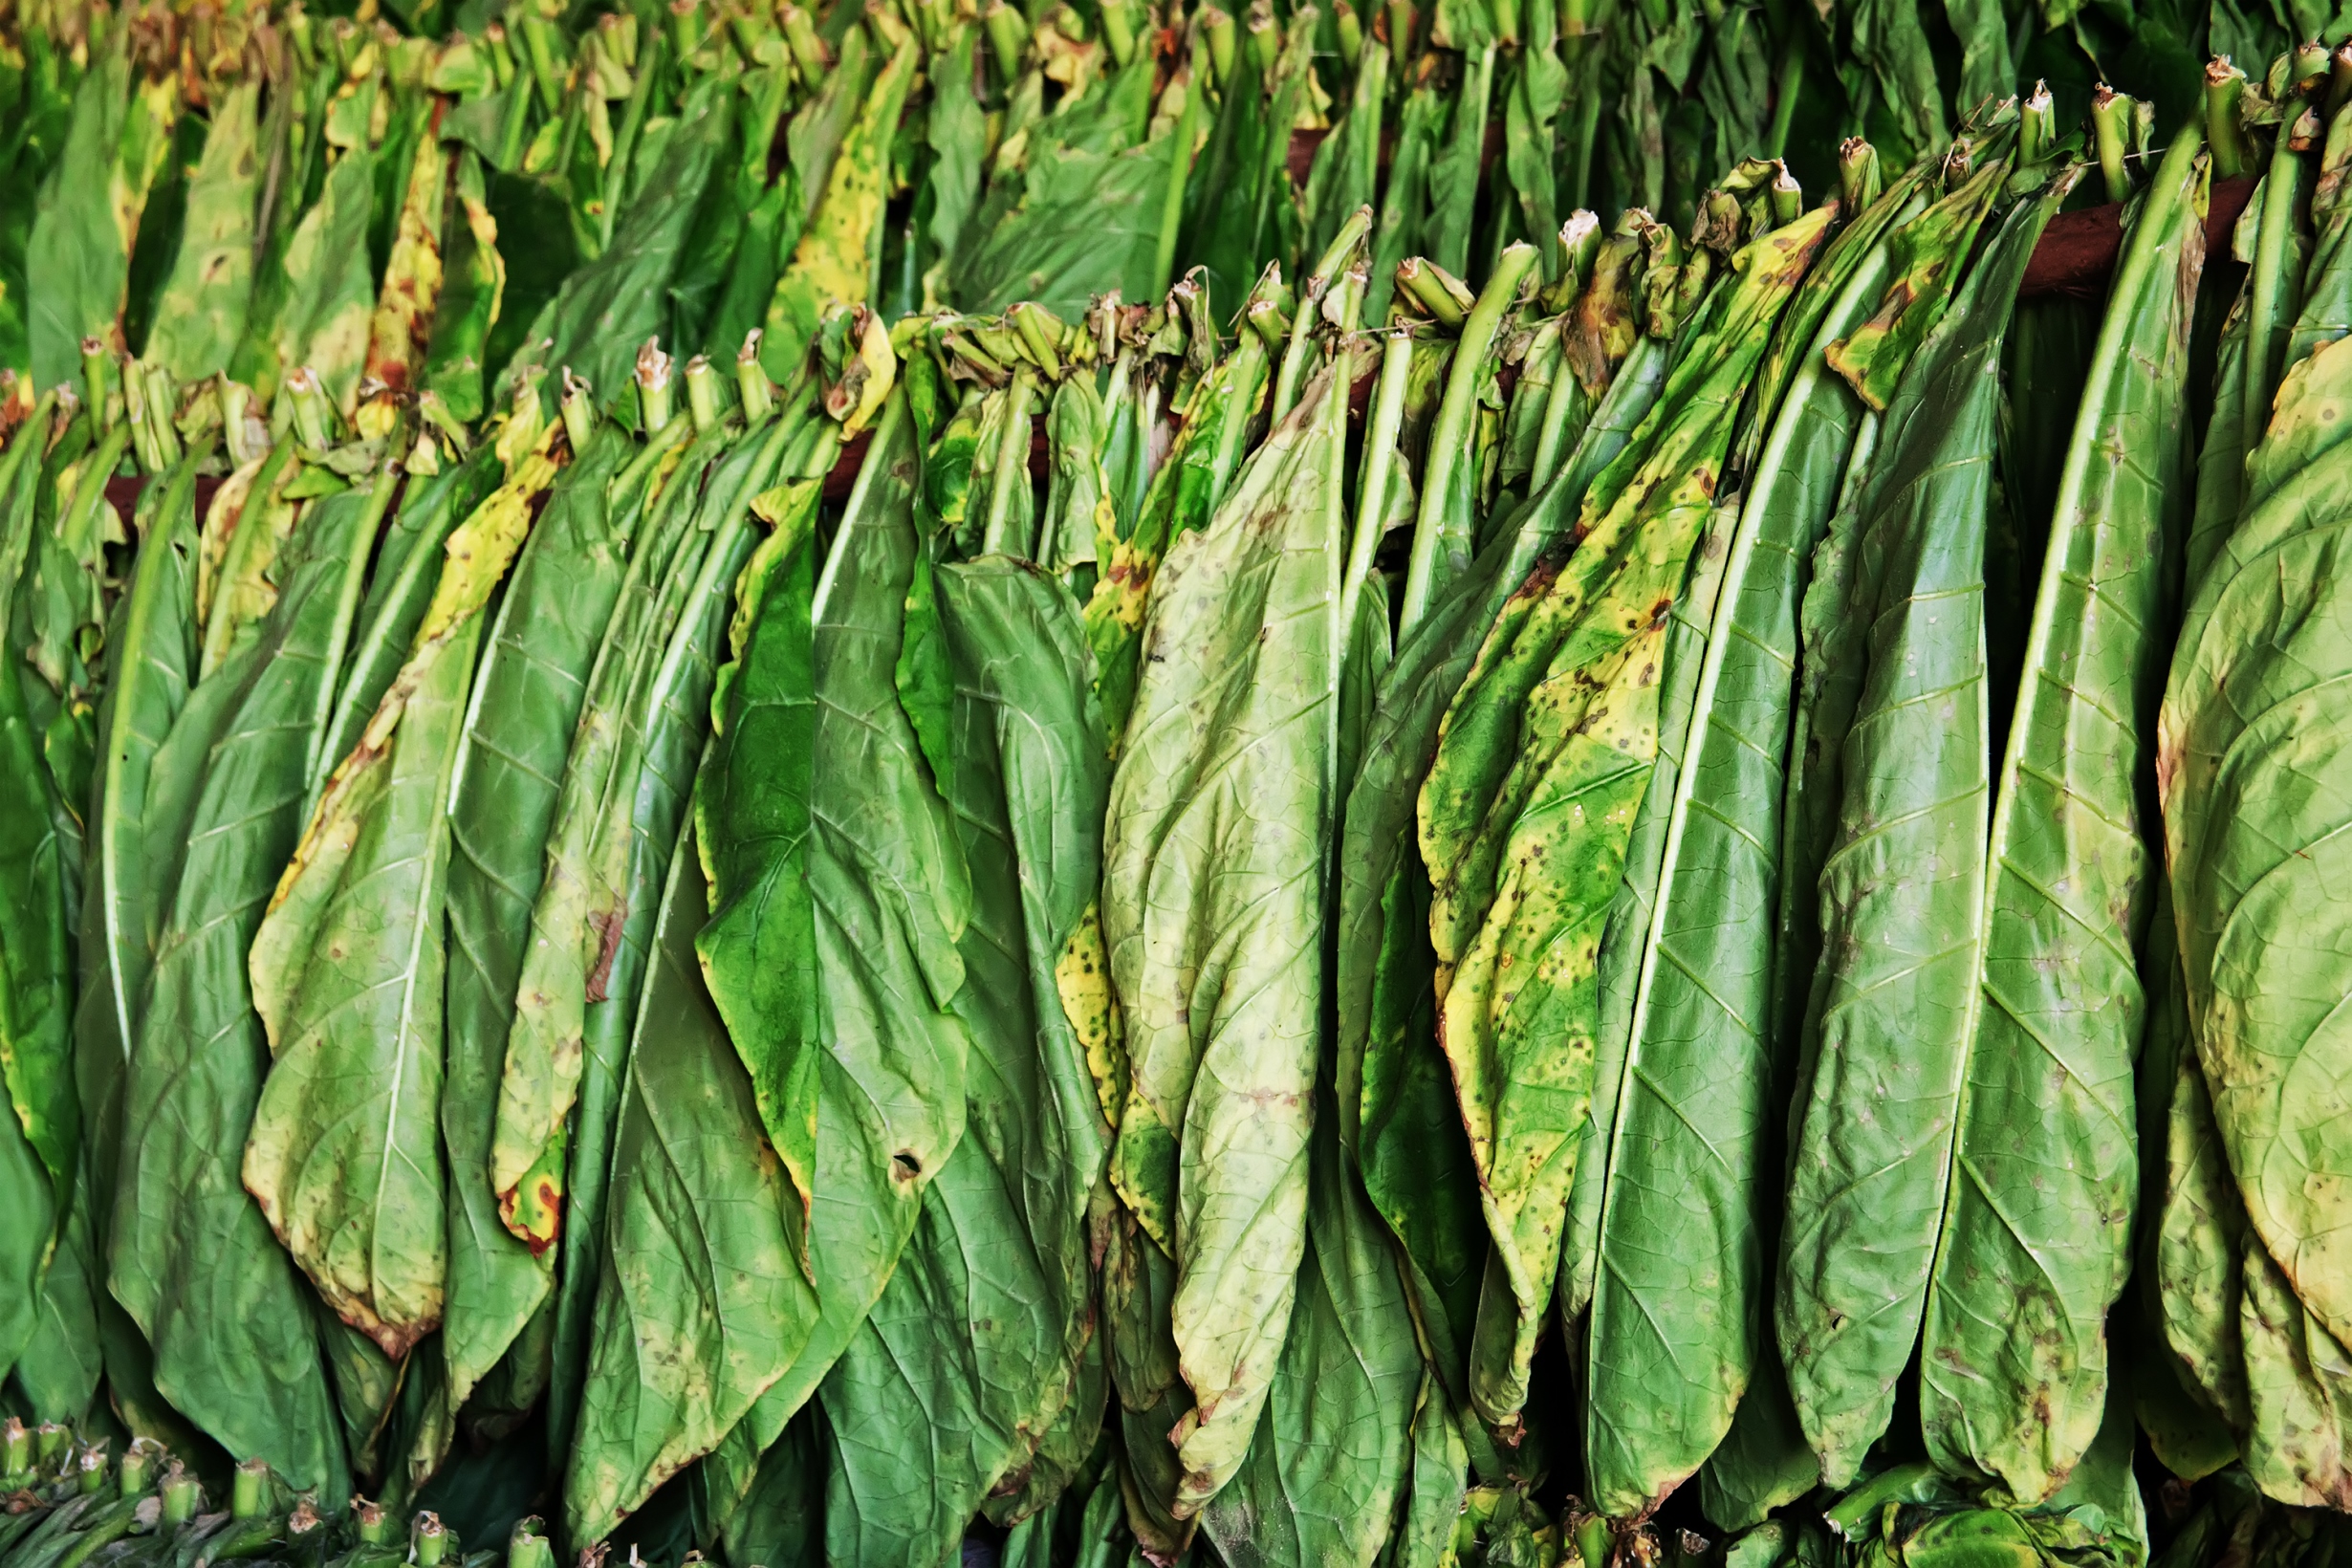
{"x": 723, "y": 1481}
{"x": 567, "y": 964}
{"x": 1890, "y": 43}
{"x": 925, "y": 689}
{"x": 2251, "y": 899}
{"x": 2247, "y": 713}
{"x": 348, "y": 968}
{"x": 2299, "y": 1378}
{"x": 535, "y": 274}
{"x": 473, "y": 293}
{"x": 518, "y": 730}
{"x": 189, "y": 1255}
{"x": 626, "y": 786}
{"x": 1221, "y": 187}
{"x": 136, "y": 813}
{"x": 246, "y": 527}
{"x": 963, "y": 1367}
{"x": 833, "y": 263}
{"x": 1530, "y": 107}
{"x": 1333, "y": 1450}
{"x": 2306, "y": 419}
{"x": 290, "y": 137}
{"x": 1406, "y": 203}
{"x": 893, "y": 897}
{"x": 2186, "y": 1354}
{"x": 948, "y": 470}
{"x": 140, "y": 805}
{"x": 724, "y": 224}
{"x": 39, "y": 1146}
{"x": 1001, "y": 509}
{"x": 1071, "y": 1450}
{"x": 781, "y": 1522}
{"x": 328, "y": 292}
{"x": 1101, "y": 1538}
{"x": 742, "y": 304}
{"x": 1277, "y": 215}
{"x": 1987, "y": 74}
{"x": 2013, "y": 1356}
{"x": 2203, "y": 716}
{"x": 1541, "y": 766}
{"x": 1447, "y": 526}
{"x": 1455, "y": 166}
{"x": 2246, "y": 728}
{"x": 2181, "y": 1415}
{"x": 2186, "y": 1435}
{"x": 817, "y": 130}
{"x": 1623, "y": 408}
{"x": 956, "y": 132}
{"x": 1862, "y": 247}
{"x": 2201, "y": 1245}
{"x": 366, "y": 1383}
{"x": 40, "y": 101}
{"x": 1213, "y": 914}
{"x": 758, "y": 951}
{"x": 1440, "y": 1476}
{"x": 1762, "y": 1462}
{"x": 200, "y": 315}
{"x": 1692, "y": 1139}
{"x": 59, "y": 603}
{"x": 1626, "y": 1447}
{"x": 407, "y": 123}
{"x": 77, "y": 260}
{"x": 813, "y": 138}
{"x": 1543, "y": 369}
{"x": 1829, "y": 674}
{"x": 663, "y": 723}
{"x": 890, "y": 1106}
{"x": 1893, "y": 1004}
{"x": 63, "y": 1359}
{"x": 1353, "y": 150}
{"x": 699, "y": 1279}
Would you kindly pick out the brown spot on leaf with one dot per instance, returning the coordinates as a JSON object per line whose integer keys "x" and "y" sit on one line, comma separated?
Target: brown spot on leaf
{"x": 608, "y": 943}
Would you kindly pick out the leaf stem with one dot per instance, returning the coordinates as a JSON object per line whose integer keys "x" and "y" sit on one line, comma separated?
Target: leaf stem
{"x": 1449, "y": 439}
{"x": 1011, "y": 468}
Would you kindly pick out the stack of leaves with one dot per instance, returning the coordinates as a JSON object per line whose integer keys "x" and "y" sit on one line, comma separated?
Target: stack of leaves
{"x": 1186, "y": 853}
{"x": 2234, "y": 1124}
